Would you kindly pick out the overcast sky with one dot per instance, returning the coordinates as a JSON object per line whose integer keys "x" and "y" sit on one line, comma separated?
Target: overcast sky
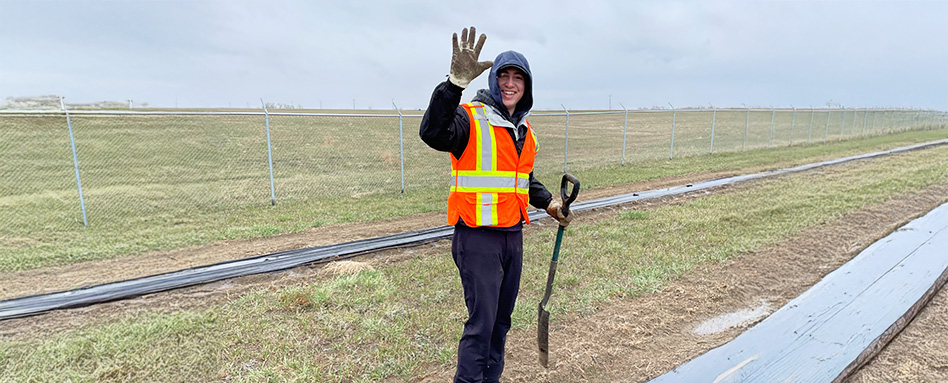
{"x": 583, "y": 54}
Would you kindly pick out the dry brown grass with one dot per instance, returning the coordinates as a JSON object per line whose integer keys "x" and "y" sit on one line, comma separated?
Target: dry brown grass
{"x": 345, "y": 268}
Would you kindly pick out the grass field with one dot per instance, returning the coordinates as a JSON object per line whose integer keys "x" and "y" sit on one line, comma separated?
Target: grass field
{"x": 404, "y": 319}
{"x": 158, "y": 181}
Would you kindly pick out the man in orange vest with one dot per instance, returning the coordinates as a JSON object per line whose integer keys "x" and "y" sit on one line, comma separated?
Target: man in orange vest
{"x": 492, "y": 149}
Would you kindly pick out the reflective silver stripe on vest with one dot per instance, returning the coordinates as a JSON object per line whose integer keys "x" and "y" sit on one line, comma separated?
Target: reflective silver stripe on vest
{"x": 489, "y": 182}
{"x": 486, "y": 207}
{"x": 486, "y": 144}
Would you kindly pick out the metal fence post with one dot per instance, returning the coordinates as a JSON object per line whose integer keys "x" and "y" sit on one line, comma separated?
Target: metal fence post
{"x": 746, "y": 122}
{"x": 671, "y": 152}
{"x": 880, "y": 121}
{"x": 566, "y": 141}
{"x": 894, "y": 122}
{"x": 866, "y": 122}
{"x": 625, "y": 130}
{"x": 809, "y": 136}
{"x": 773, "y": 115}
{"x": 842, "y": 118}
{"x": 889, "y": 121}
{"x": 887, "y": 117}
{"x": 853, "y": 128}
{"x": 266, "y": 115}
{"x": 886, "y": 121}
{"x": 401, "y": 145}
{"x": 75, "y": 161}
{"x": 880, "y": 117}
{"x": 793, "y": 120}
{"x": 714, "y": 117}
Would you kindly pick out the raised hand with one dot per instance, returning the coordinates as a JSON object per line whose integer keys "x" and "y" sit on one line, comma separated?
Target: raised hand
{"x": 464, "y": 65}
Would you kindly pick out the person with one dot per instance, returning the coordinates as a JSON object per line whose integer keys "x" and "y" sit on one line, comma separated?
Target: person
{"x": 493, "y": 149}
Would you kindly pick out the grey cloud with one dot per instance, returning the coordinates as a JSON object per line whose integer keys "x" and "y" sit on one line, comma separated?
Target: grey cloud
{"x": 215, "y": 53}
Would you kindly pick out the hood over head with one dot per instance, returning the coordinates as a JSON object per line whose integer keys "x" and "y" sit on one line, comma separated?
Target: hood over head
{"x": 515, "y": 59}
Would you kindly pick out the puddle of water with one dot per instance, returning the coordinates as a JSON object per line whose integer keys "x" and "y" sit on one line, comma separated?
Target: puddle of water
{"x": 737, "y": 318}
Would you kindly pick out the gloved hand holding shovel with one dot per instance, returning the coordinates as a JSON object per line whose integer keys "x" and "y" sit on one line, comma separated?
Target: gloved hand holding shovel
{"x": 543, "y": 316}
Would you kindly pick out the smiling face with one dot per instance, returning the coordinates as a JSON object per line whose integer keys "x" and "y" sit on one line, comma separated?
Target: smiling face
{"x": 512, "y": 83}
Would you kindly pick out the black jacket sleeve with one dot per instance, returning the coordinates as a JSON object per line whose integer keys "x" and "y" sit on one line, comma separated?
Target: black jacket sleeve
{"x": 540, "y": 198}
{"x": 445, "y": 126}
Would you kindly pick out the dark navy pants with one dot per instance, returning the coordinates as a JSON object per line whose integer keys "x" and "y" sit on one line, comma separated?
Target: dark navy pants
{"x": 489, "y": 262}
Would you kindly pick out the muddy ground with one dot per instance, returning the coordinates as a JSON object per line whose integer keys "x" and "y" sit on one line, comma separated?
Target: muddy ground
{"x": 629, "y": 340}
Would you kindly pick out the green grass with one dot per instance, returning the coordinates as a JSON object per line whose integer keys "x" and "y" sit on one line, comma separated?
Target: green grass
{"x": 156, "y": 182}
{"x": 167, "y": 182}
{"x": 403, "y": 320}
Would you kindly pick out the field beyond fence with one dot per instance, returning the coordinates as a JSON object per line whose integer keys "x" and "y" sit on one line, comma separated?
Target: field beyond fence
{"x": 147, "y": 180}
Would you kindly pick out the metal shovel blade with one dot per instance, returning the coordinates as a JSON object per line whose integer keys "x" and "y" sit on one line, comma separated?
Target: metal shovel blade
{"x": 543, "y": 316}
{"x": 543, "y": 336}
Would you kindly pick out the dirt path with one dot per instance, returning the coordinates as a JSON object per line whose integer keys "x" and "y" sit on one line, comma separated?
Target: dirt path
{"x": 630, "y": 340}
{"x": 918, "y": 354}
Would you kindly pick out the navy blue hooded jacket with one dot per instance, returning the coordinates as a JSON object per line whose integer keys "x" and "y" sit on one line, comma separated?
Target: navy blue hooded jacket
{"x": 511, "y": 59}
{"x": 446, "y": 126}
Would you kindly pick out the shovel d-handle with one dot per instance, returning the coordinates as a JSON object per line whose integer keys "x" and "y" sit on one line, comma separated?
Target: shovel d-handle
{"x": 568, "y": 196}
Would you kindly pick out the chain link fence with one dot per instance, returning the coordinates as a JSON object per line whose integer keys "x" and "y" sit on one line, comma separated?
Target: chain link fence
{"x": 162, "y": 169}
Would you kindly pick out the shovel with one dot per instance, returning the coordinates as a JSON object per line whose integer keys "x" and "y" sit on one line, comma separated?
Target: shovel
{"x": 543, "y": 316}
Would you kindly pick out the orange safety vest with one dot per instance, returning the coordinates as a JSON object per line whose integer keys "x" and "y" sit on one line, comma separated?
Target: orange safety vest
{"x": 490, "y": 183}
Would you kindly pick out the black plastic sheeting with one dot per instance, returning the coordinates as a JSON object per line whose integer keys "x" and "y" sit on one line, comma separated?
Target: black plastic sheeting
{"x": 32, "y": 305}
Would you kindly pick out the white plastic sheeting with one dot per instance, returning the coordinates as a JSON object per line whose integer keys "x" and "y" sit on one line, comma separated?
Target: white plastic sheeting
{"x": 839, "y": 323}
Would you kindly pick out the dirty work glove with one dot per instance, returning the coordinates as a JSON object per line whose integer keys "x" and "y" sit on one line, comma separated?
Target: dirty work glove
{"x": 464, "y": 65}
{"x": 555, "y": 210}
